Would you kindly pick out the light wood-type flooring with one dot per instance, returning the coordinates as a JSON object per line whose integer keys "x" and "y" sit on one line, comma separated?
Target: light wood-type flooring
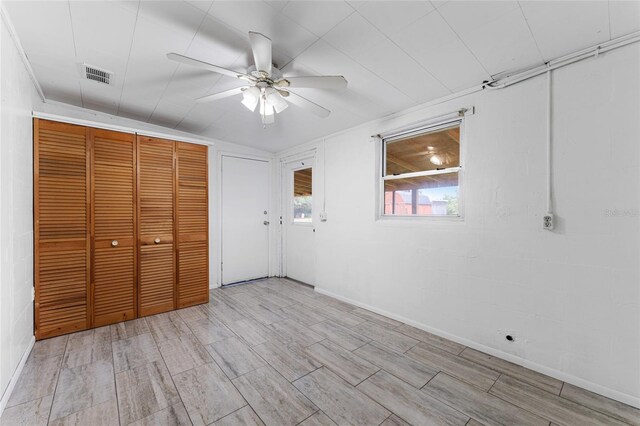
{"x": 275, "y": 352}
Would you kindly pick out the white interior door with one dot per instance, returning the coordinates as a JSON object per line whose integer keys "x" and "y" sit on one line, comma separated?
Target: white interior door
{"x": 245, "y": 219}
{"x": 299, "y": 217}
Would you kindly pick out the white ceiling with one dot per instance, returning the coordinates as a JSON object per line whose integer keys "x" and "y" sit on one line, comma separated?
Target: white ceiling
{"x": 395, "y": 54}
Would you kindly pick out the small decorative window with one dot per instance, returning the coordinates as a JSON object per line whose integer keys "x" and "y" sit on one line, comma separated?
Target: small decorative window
{"x": 421, "y": 171}
{"x": 302, "y": 195}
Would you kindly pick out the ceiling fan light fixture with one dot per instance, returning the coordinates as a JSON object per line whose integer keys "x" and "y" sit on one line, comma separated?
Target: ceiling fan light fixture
{"x": 275, "y": 99}
{"x": 250, "y": 98}
{"x": 265, "y": 107}
{"x": 435, "y": 159}
{"x": 266, "y": 112}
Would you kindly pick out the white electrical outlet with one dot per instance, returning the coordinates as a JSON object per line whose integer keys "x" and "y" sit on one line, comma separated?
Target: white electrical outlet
{"x": 323, "y": 216}
{"x": 547, "y": 221}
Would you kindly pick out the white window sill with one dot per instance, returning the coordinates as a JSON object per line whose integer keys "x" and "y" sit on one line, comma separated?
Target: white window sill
{"x": 307, "y": 224}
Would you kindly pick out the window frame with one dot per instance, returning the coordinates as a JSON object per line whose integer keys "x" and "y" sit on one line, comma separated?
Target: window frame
{"x": 292, "y": 196}
{"x": 433, "y": 126}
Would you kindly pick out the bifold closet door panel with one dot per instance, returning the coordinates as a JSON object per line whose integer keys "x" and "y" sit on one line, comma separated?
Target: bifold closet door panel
{"x": 193, "y": 224}
{"x": 62, "y": 241}
{"x": 156, "y": 189}
{"x": 114, "y": 222}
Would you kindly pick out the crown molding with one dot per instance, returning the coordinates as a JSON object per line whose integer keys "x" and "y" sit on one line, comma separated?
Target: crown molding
{"x": 16, "y": 41}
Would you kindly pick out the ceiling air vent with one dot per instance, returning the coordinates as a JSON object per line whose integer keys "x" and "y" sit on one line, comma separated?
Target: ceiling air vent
{"x": 96, "y": 74}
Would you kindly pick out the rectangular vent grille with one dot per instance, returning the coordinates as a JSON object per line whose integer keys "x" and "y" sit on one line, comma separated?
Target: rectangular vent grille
{"x": 96, "y": 74}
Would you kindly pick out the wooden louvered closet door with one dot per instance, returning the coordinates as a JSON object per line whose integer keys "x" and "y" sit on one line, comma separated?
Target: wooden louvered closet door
{"x": 156, "y": 180}
{"x": 114, "y": 246}
{"x": 62, "y": 240}
{"x": 120, "y": 229}
{"x": 192, "y": 228}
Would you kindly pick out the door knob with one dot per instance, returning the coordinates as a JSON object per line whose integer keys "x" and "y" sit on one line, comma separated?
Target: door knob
{"x": 266, "y": 222}
{"x": 114, "y": 243}
{"x": 157, "y": 241}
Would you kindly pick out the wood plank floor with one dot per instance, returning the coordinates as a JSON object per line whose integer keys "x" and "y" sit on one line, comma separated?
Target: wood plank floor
{"x": 274, "y": 352}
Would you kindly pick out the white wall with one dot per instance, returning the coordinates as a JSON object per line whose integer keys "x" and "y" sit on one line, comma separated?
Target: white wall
{"x": 19, "y": 97}
{"x": 571, "y": 297}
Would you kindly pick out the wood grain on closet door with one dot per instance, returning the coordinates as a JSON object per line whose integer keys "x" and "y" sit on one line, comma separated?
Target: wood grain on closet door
{"x": 156, "y": 189}
{"x": 193, "y": 224}
{"x": 61, "y": 228}
{"x": 114, "y": 221}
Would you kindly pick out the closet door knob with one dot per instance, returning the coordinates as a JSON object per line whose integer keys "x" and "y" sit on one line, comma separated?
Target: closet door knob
{"x": 114, "y": 243}
{"x": 157, "y": 241}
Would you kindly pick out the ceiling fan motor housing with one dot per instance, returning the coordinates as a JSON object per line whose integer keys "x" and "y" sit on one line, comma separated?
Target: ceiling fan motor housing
{"x": 275, "y": 75}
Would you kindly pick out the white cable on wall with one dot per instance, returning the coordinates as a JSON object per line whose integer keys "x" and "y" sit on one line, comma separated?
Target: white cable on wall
{"x": 563, "y": 61}
{"x": 549, "y": 140}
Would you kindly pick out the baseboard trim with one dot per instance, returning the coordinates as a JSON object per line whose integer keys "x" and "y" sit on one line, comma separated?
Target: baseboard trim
{"x": 577, "y": 381}
{"x": 298, "y": 282}
{"x": 16, "y": 375}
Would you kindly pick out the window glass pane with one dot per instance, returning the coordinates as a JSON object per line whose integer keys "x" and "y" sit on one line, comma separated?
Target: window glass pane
{"x": 402, "y": 202}
{"x": 302, "y": 195}
{"x": 429, "y": 151}
{"x": 435, "y": 195}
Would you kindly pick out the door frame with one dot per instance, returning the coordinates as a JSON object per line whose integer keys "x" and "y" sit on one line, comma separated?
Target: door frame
{"x": 284, "y": 198}
{"x": 271, "y": 216}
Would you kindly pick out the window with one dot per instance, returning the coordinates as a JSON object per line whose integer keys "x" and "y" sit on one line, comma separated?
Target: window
{"x": 302, "y": 195}
{"x": 421, "y": 172}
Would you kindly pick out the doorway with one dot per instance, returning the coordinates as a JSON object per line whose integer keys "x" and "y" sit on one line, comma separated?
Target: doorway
{"x": 299, "y": 219}
{"x": 245, "y": 189}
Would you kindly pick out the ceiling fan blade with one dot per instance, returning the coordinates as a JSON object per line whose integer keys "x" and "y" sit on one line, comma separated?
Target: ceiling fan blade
{"x": 261, "y": 46}
{"x": 306, "y": 104}
{"x": 205, "y": 65}
{"x": 222, "y": 95}
{"x": 320, "y": 82}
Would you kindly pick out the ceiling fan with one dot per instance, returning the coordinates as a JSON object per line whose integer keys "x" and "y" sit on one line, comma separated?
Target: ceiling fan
{"x": 266, "y": 86}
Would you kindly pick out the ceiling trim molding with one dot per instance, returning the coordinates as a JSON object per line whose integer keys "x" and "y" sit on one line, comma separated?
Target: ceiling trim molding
{"x": 25, "y": 60}
{"x": 123, "y": 129}
{"x": 311, "y": 152}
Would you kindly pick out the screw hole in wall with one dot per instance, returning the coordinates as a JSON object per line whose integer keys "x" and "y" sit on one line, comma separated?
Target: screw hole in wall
{"x": 510, "y": 338}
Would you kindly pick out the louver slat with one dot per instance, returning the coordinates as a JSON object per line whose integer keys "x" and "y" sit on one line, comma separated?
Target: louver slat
{"x": 62, "y": 244}
{"x": 114, "y": 255}
{"x": 156, "y": 178}
{"x": 193, "y": 257}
